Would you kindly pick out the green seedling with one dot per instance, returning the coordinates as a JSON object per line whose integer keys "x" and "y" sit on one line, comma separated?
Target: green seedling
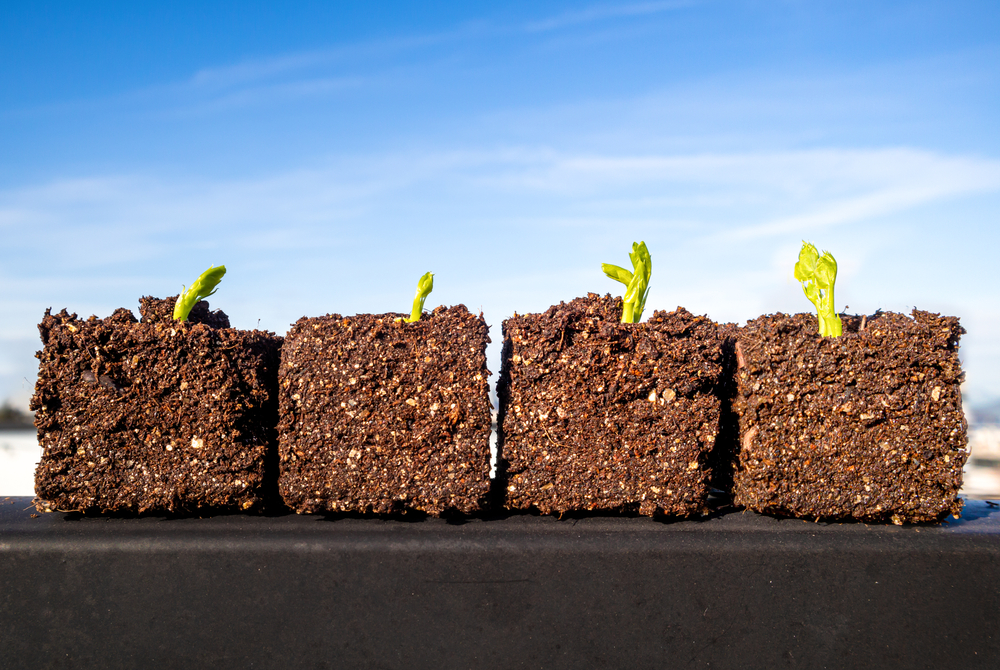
{"x": 636, "y": 282}
{"x": 818, "y": 274}
{"x": 424, "y": 287}
{"x": 203, "y": 287}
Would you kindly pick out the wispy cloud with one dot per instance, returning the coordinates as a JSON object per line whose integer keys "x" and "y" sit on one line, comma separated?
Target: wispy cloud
{"x": 285, "y": 91}
{"x": 246, "y": 81}
{"x": 825, "y": 186}
{"x": 325, "y": 71}
{"x": 603, "y": 12}
{"x": 255, "y": 70}
{"x": 727, "y": 197}
{"x": 885, "y": 179}
{"x": 284, "y": 76}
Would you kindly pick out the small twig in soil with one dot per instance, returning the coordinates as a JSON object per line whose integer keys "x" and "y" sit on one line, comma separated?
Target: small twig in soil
{"x": 550, "y": 437}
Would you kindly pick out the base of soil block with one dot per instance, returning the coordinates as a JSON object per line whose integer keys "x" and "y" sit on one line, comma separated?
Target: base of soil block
{"x": 379, "y": 415}
{"x": 596, "y": 414}
{"x": 868, "y": 425}
{"x": 736, "y": 590}
{"x": 157, "y": 415}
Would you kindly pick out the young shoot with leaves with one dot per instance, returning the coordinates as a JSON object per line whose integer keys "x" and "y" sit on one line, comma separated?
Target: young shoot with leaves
{"x": 818, "y": 275}
{"x": 203, "y": 287}
{"x": 636, "y": 282}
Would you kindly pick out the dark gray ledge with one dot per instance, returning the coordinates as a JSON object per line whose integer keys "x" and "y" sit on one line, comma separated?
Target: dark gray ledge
{"x": 735, "y": 590}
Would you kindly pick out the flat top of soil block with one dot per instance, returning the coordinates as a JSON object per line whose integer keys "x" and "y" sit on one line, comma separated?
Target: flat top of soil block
{"x": 925, "y": 337}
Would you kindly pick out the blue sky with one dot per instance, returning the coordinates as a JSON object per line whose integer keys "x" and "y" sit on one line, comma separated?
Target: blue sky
{"x": 330, "y": 153}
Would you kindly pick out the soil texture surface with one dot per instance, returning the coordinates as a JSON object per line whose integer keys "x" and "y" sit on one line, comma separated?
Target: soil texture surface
{"x": 865, "y": 426}
{"x": 383, "y": 416}
{"x": 599, "y": 415}
{"x": 154, "y": 416}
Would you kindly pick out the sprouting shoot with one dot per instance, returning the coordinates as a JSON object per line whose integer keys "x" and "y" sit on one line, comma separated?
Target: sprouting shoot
{"x": 424, "y": 287}
{"x": 818, "y": 274}
{"x": 636, "y": 282}
{"x": 203, "y": 287}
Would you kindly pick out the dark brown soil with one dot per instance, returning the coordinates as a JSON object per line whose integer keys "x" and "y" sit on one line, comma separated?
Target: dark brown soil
{"x": 865, "y": 426}
{"x": 384, "y": 416}
{"x": 154, "y": 310}
{"x": 601, "y": 415}
{"x": 159, "y": 416}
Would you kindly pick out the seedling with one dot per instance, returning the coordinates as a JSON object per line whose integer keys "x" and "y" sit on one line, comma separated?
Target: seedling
{"x": 818, "y": 275}
{"x": 424, "y": 287}
{"x": 636, "y": 282}
{"x": 203, "y": 287}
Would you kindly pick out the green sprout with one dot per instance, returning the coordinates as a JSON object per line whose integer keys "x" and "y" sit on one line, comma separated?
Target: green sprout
{"x": 636, "y": 282}
{"x": 818, "y": 275}
{"x": 202, "y": 287}
{"x": 424, "y": 287}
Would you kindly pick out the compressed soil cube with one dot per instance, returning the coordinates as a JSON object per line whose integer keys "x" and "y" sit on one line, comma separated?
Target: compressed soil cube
{"x": 383, "y": 416}
{"x": 602, "y": 415}
{"x": 154, "y": 416}
{"x": 868, "y": 425}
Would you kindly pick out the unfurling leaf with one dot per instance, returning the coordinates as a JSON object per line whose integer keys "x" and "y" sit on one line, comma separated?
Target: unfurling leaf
{"x": 818, "y": 274}
{"x": 636, "y": 282}
{"x": 203, "y": 287}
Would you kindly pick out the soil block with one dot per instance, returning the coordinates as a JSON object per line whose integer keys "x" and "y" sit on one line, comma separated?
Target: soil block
{"x": 865, "y": 426}
{"x": 382, "y": 416}
{"x": 602, "y": 415}
{"x": 154, "y": 416}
